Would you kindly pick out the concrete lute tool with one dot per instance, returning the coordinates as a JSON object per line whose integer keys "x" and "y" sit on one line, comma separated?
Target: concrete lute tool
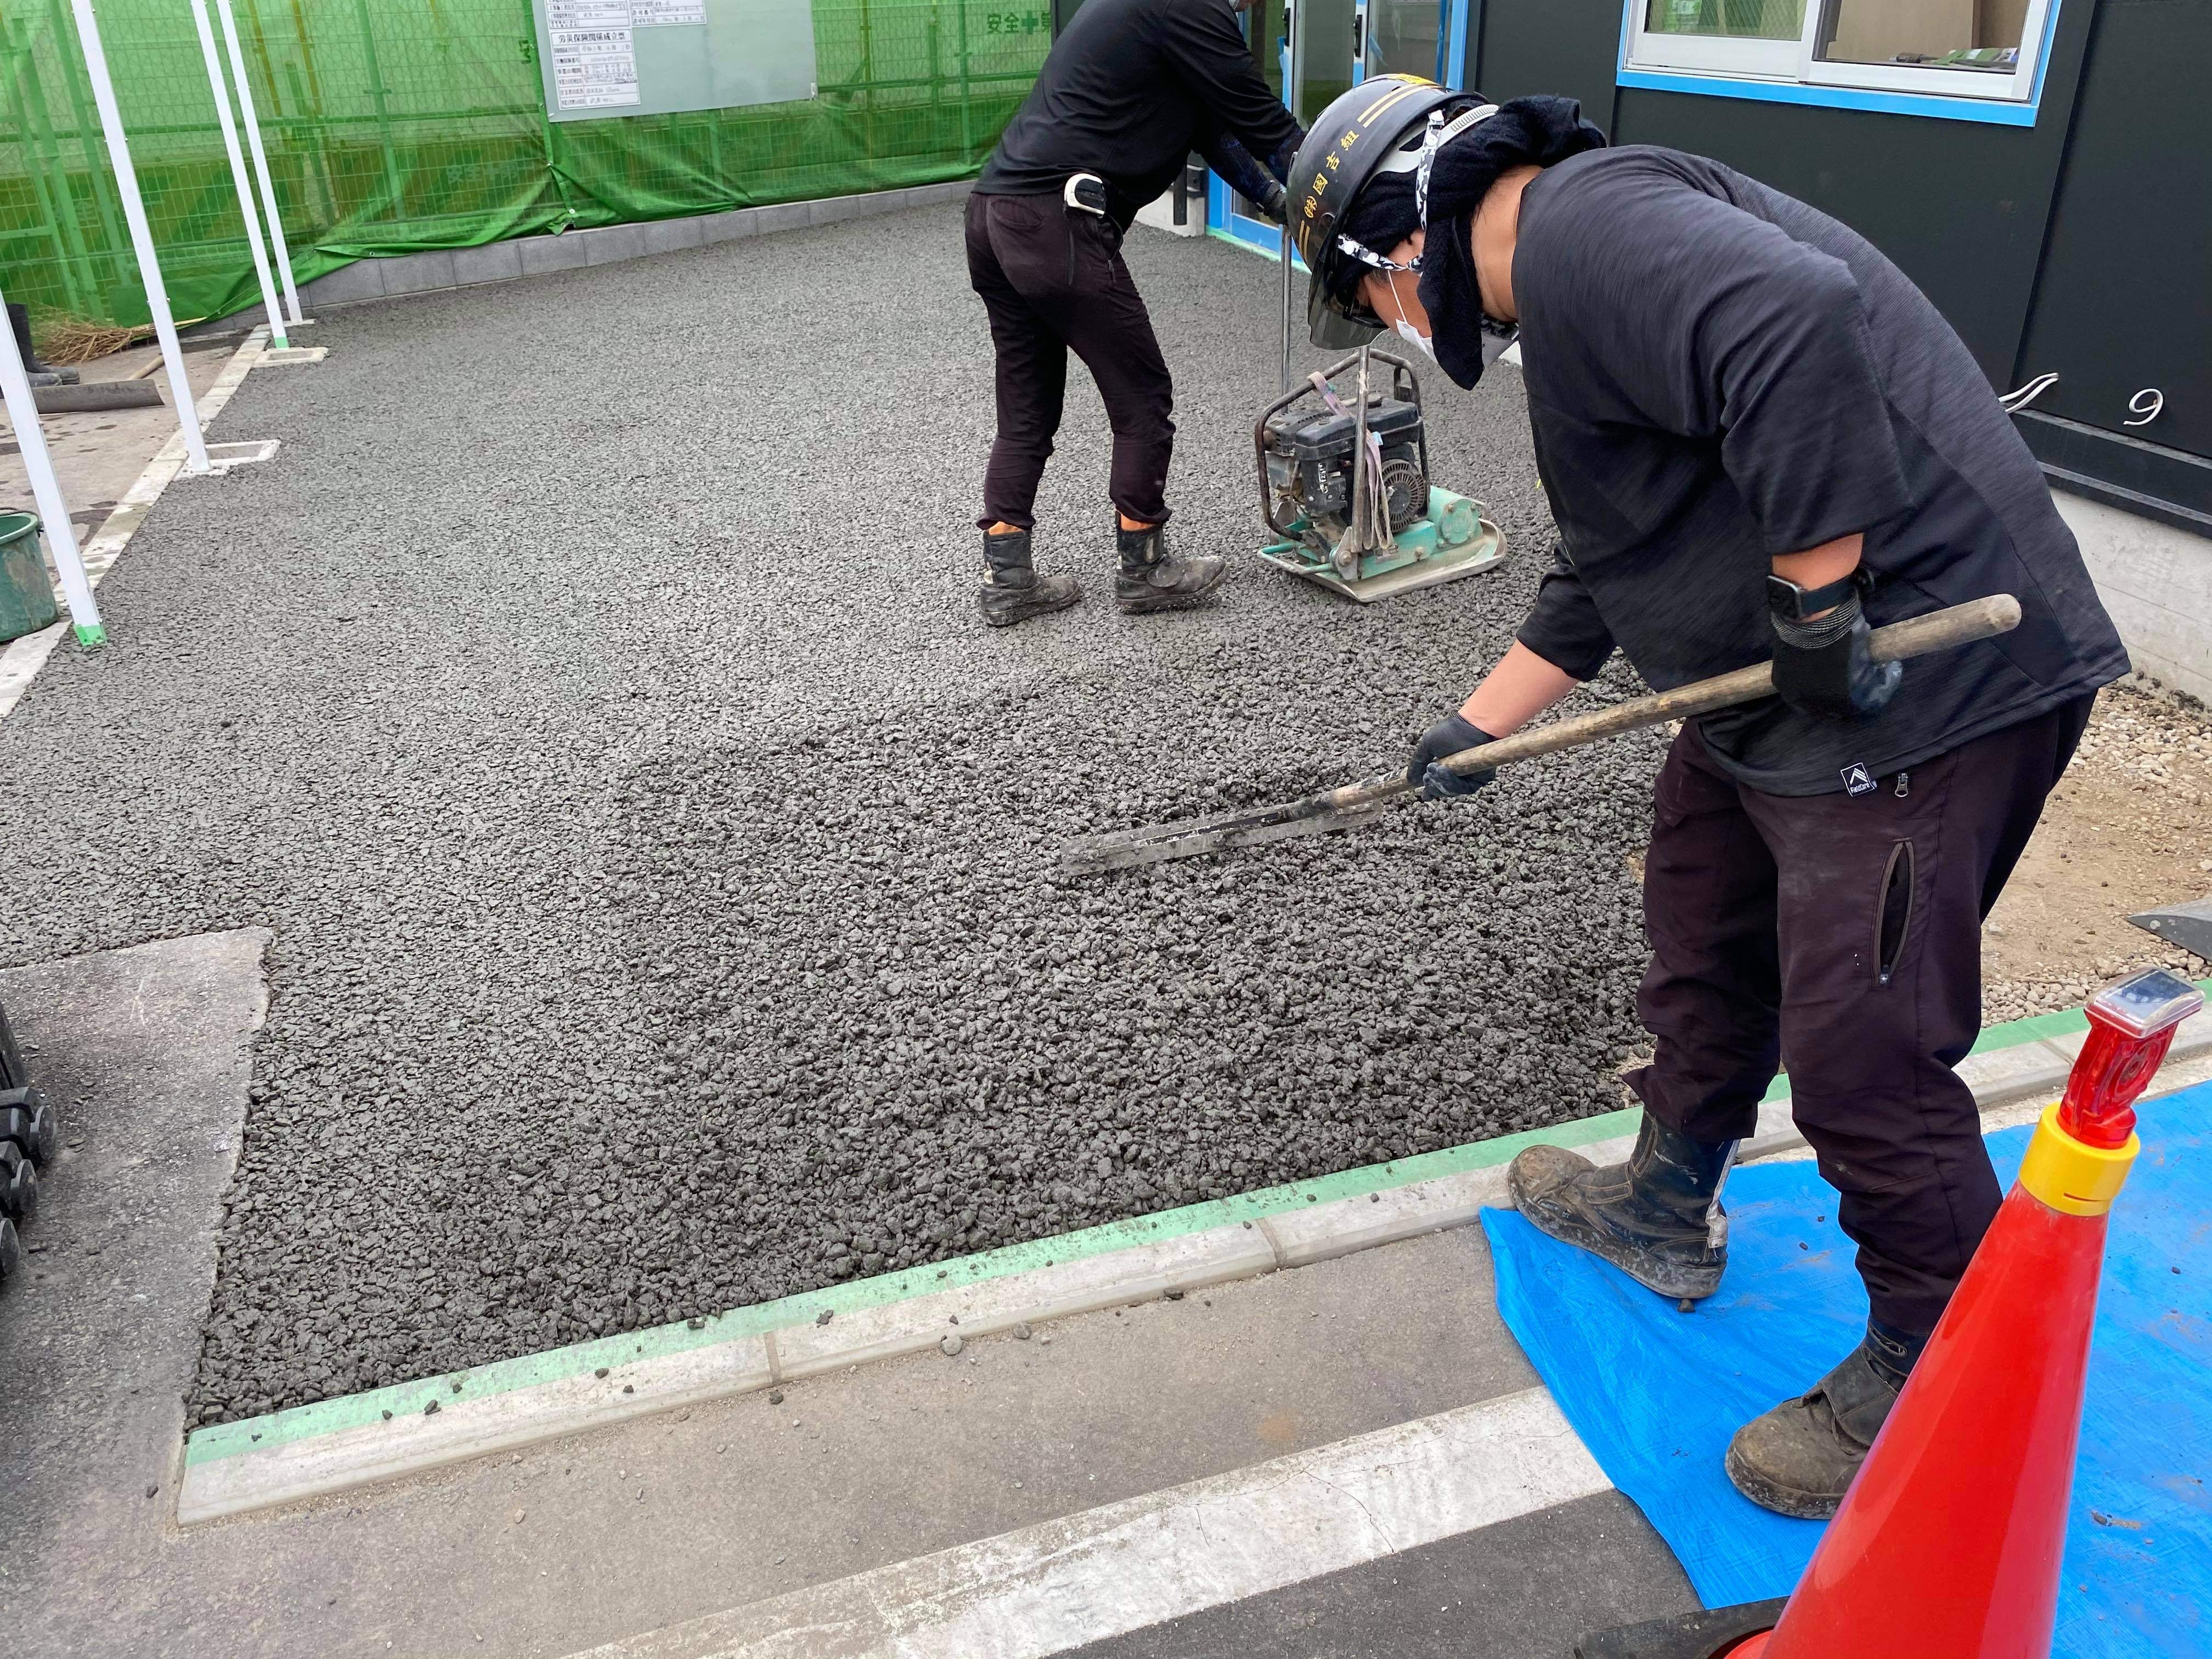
{"x": 1352, "y": 804}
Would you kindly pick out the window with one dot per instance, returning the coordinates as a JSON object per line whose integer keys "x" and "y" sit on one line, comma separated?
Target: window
{"x": 1406, "y": 37}
{"x": 1960, "y": 48}
{"x": 1983, "y": 50}
{"x": 1741, "y": 37}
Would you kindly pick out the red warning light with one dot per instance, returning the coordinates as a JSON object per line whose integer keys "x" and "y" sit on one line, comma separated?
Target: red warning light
{"x": 2130, "y": 1027}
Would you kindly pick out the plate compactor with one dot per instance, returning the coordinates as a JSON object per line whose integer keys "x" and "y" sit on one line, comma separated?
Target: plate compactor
{"x": 1366, "y": 531}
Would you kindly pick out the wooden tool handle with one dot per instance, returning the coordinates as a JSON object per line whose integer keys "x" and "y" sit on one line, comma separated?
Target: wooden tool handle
{"x": 1356, "y": 803}
{"x": 1960, "y": 624}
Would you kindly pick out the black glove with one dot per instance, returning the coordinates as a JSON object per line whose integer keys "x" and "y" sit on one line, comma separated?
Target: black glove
{"x": 1822, "y": 668}
{"x": 1447, "y": 737}
{"x": 1275, "y": 205}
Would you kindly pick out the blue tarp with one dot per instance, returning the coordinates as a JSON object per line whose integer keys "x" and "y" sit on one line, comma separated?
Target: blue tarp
{"x": 1655, "y": 1393}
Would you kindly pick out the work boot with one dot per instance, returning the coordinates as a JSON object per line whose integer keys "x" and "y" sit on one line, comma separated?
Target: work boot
{"x": 1153, "y": 579}
{"x": 1657, "y": 1218}
{"x": 39, "y": 374}
{"x": 1800, "y": 1458}
{"x": 1012, "y": 591}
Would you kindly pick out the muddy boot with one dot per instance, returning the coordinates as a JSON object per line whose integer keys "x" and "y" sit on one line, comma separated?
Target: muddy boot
{"x": 1800, "y": 1458}
{"x": 1012, "y": 591}
{"x": 1152, "y": 578}
{"x": 1657, "y": 1218}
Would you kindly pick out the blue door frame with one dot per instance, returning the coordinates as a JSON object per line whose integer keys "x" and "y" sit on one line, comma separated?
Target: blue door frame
{"x": 1222, "y": 218}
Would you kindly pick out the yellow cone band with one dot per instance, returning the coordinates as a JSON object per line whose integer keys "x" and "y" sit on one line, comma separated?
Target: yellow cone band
{"x": 2070, "y": 1178}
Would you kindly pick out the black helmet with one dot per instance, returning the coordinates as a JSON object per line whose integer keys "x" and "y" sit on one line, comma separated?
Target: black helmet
{"x": 1382, "y": 125}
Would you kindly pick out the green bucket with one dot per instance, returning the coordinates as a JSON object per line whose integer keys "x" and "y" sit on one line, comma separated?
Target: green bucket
{"x": 27, "y": 595}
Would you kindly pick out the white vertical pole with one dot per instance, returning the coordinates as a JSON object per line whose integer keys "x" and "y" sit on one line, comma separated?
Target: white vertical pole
{"x": 141, "y": 237}
{"x": 46, "y": 491}
{"x": 244, "y": 184}
{"x": 252, "y": 125}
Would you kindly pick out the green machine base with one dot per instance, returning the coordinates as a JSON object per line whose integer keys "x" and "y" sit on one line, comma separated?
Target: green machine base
{"x": 1454, "y": 538}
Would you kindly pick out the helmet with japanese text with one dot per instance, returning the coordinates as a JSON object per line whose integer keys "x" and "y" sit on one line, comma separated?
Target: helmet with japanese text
{"x": 1389, "y": 124}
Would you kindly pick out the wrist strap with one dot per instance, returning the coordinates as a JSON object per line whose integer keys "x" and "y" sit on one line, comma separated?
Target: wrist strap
{"x": 1837, "y": 622}
{"x": 1795, "y": 604}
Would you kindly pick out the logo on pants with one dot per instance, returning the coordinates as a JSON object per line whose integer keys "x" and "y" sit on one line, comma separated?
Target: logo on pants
{"x": 1857, "y": 780}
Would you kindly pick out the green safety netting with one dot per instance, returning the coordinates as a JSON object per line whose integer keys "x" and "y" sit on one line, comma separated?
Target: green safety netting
{"x": 398, "y": 125}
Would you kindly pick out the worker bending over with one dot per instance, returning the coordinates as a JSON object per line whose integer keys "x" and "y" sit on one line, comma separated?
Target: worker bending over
{"x": 1758, "y": 438}
{"x": 1129, "y": 89}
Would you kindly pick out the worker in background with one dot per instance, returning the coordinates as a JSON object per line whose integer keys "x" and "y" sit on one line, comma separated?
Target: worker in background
{"x": 1129, "y": 89}
{"x": 1758, "y": 438}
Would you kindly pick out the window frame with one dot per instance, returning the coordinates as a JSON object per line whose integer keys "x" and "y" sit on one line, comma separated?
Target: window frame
{"x": 1750, "y": 56}
{"x": 2018, "y": 88}
{"x": 1790, "y": 72}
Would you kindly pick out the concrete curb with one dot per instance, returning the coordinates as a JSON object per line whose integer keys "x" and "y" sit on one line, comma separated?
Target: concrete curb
{"x": 438, "y": 270}
{"x": 21, "y": 659}
{"x": 257, "y": 1464}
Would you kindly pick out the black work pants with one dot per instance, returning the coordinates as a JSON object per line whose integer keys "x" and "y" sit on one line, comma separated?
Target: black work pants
{"x": 1052, "y": 279}
{"x": 1841, "y": 935}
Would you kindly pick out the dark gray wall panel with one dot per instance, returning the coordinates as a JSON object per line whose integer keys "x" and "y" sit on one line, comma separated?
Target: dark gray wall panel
{"x": 2125, "y": 299}
{"x": 1569, "y": 46}
{"x": 1962, "y": 206}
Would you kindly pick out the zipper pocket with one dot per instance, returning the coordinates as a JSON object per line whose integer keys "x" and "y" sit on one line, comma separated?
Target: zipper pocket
{"x": 1893, "y": 916}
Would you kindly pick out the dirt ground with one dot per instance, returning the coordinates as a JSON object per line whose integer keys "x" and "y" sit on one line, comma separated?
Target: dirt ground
{"x": 2130, "y": 828}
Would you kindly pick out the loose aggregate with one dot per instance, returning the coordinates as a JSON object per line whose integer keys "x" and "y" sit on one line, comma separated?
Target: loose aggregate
{"x": 660, "y": 854}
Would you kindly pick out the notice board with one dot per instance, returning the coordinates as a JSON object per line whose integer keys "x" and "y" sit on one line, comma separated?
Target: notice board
{"x": 601, "y": 57}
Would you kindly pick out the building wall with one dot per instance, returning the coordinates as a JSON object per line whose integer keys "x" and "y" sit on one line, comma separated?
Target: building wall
{"x": 1962, "y": 206}
{"x": 2081, "y": 245}
{"x": 2124, "y": 303}
{"x": 1565, "y": 46}
{"x": 2156, "y": 580}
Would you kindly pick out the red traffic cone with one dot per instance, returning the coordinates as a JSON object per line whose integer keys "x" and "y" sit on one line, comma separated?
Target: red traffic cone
{"x": 1948, "y": 1542}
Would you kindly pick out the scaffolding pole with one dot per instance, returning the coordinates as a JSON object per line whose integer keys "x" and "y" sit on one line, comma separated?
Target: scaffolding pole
{"x": 252, "y": 122}
{"x": 46, "y": 491}
{"x": 238, "y": 175}
{"x": 141, "y": 236}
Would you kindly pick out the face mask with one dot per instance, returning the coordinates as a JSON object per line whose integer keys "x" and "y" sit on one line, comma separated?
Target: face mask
{"x": 1410, "y": 332}
{"x": 1407, "y": 330}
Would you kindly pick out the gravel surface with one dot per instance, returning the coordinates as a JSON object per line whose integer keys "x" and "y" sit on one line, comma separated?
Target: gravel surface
{"x": 2130, "y": 829}
{"x": 659, "y": 852}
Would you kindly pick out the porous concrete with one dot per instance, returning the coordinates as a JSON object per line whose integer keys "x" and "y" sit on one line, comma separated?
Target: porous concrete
{"x": 145, "y": 1053}
{"x": 660, "y": 854}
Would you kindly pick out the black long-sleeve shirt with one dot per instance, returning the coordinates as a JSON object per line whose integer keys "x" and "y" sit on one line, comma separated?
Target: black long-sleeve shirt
{"x": 1130, "y": 88}
{"x": 1717, "y": 374}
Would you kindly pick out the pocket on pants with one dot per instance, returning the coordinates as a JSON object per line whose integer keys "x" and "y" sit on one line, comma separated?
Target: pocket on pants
{"x": 1094, "y": 248}
{"x": 1893, "y": 914}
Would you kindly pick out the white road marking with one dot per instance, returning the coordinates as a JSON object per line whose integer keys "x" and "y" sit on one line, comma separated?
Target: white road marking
{"x": 21, "y": 658}
{"x": 1057, "y": 1585}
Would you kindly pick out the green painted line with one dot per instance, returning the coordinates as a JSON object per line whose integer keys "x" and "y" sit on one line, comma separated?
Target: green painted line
{"x": 530, "y": 1370}
{"x": 2034, "y": 1029}
{"x": 2066, "y": 1022}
